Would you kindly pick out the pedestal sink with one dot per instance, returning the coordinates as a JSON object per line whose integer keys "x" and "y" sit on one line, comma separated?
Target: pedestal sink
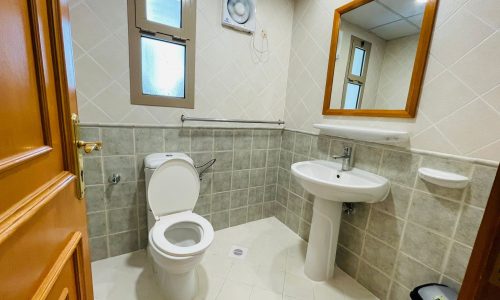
{"x": 331, "y": 187}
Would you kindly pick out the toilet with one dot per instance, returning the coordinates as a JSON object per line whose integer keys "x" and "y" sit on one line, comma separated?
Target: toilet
{"x": 178, "y": 238}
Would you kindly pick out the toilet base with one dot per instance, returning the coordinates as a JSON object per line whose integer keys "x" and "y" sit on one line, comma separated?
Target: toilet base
{"x": 176, "y": 286}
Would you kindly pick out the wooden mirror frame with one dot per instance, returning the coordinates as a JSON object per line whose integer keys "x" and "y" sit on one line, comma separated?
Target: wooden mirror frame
{"x": 418, "y": 66}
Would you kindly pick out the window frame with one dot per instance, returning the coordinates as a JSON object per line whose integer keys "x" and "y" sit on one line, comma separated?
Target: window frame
{"x": 138, "y": 27}
{"x": 356, "y": 42}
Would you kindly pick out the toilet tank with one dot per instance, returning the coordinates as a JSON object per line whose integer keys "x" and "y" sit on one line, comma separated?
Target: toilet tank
{"x": 151, "y": 163}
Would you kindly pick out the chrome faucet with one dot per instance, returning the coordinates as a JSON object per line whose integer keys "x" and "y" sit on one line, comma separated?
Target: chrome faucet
{"x": 346, "y": 158}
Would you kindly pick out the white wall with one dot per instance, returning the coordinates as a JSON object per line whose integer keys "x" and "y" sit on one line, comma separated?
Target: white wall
{"x": 459, "y": 111}
{"x": 229, "y": 83}
{"x": 396, "y": 71}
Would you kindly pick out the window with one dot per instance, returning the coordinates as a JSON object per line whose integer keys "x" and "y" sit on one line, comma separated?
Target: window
{"x": 355, "y": 76}
{"x": 162, "y": 52}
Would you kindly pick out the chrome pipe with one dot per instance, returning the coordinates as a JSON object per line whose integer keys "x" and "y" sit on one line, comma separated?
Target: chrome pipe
{"x": 184, "y": 118}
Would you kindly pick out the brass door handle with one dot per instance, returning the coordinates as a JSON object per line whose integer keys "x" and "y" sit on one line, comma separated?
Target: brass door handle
{"x": 88, "y": 147}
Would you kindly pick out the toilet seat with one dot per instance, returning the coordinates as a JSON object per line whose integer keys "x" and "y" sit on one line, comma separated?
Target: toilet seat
{"x": 159, "y": 232}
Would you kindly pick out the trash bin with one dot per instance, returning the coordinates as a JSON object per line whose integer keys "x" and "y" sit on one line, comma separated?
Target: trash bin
{"x": 433, "y": 291}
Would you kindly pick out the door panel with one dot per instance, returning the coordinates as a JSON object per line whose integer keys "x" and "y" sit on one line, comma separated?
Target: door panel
{"x": 43, "y": 232}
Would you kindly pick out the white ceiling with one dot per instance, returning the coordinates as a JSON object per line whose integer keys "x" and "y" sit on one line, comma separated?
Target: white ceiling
{"x": 389, "y": 19}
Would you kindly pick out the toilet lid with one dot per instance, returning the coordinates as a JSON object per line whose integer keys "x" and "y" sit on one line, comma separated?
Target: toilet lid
{"x": 173, "y": 187}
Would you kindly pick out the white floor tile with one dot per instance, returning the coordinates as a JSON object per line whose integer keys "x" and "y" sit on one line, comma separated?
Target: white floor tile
{"x": 273, "y": 269}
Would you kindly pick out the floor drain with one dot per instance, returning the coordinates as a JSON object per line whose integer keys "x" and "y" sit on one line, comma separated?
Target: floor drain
{"x": 238, "y": 252}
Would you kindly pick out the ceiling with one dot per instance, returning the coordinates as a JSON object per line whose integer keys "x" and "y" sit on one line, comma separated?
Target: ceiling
{"x": 389, "y": 19}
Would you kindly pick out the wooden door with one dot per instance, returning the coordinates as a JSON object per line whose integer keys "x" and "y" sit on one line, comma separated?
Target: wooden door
{"x": 482, "y": 278}
{"x": 43, "y": 233}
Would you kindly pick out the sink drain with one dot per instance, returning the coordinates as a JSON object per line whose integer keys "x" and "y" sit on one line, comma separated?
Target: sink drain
{"x": 238, "y": 252}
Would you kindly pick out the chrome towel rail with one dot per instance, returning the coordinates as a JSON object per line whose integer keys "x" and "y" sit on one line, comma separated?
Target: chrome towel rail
{"x": 184, "y": 119}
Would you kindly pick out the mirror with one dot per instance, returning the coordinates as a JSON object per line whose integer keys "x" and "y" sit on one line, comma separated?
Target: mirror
{"x": 378, "y": 54}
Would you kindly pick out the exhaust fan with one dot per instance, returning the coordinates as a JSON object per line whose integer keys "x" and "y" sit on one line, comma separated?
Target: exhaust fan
{"x": 239, "y": 14}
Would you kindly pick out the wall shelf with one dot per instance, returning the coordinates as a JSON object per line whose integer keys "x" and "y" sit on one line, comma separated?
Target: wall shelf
{"x": 442, "y": 178}
{"x": 375, "y": 135}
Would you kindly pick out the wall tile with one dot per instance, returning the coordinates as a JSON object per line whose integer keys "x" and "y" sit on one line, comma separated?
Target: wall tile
{"x": 202, "y": 140}
{"x": 242, "y": 160}
{"x": 270, "y": 193}
{"x": 97, "y": 224}
{"x": 302, "y": 144}
{"x": 203, "y": 205}
{"x": 122, "y": 219}
{"x": 272, "y": 158}
{"x": 98, "y": 248}
{"x": 223, "y": 140}
{"x": 93, "y": 170}
{"x": 122, "y": 243}
{"x": 239, "y": 198}
{"x": 222, "y": 182}
{"x": 351, "y": 237}
{"x": 399, "y": 292}
{"x": 416, "y": 237}
{"x": 238, "y": 216}
{"x": 257, "y": 177}
{"x": 260, "y": 139}
{"x": 360, "y": 216}
{"x": 373, "y": 280}
{"x": 94, "y": 196}
{"x": 258, "y": 159}
{"x": 255, "y": 212}
{"x": 149, "y": 140}
{"x": 480, "y": 186}
{"x": 320, "y": 145}
{"x": 434, "y": 212}
{"x": 121, "y": 165}
{"x": 385, "y": 227}
{"x": 224, "y": 161}
{"x": 177, "y": 140}
{"x": 220, "y": 201}
{"x": 285, "y": 159}
{"x": 275, "y": 139}
{"x": 121, "y": 195}
{"x": 412, "y": 273}
{"x": 292, "y": 221}
{"x": 294, "y": 204}
{"x": 367, "y": 158}
{"x": 117, "y": 141}
{"x": 256, "y": 195}
{"x": 468, "y": 225}
{"x": 220, "y": 220}
{"x": 284, "y": 177}
{"x": 379, "y": 254}
{"x": 241, "y": 179}
{"x": 243, "y": 139}
{"x": 347, "y": 261}
{"x": 271, "y": 176}
{"x": 288, "y": 140}
{"x": 397, "y": 202}
{"x": 401, "y": 167}
{"x": 457, "y": 262}
{"x": 304, "y": 230}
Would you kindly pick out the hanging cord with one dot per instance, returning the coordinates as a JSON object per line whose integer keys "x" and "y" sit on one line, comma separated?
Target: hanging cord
{"x": 260, "y": 55}
{"x": 205, "y": 166}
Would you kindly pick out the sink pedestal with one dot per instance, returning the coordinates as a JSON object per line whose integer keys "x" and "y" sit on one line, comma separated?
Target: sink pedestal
{"x": 323, "y": 237}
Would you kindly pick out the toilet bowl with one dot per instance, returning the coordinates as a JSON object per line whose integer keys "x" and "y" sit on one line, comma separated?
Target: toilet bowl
{"x": 178, "y": 238}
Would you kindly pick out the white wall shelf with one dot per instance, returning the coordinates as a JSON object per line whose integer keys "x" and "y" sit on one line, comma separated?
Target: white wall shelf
{"x": 442, "y": 178}
{"x": 375, "y": 135}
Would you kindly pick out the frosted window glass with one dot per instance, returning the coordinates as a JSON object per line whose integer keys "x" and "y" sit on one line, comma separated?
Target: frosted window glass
{"x": 352, "y": 96}
{"x": 358, "y": 61}
{"x": 163, "y": 68}
{"x": 166, "y": 12}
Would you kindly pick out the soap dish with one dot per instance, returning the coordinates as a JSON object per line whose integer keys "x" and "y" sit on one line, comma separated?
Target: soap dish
{"x": 442, "y": 178}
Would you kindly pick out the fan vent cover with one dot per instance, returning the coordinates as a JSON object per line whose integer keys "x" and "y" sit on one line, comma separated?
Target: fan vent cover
{"x": 239, "y": 14}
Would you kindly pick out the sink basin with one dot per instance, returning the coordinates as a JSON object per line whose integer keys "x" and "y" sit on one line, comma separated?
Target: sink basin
{"x": 331, "y": 187}
{"x": 323, "y": 179}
